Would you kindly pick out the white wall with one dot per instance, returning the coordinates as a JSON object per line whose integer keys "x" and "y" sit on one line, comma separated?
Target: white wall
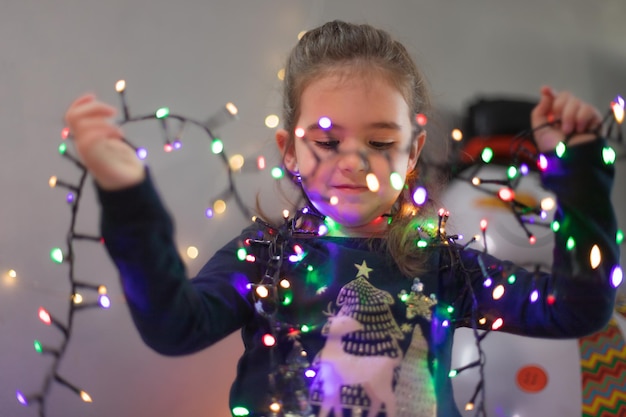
{"x": 194, "y": 56}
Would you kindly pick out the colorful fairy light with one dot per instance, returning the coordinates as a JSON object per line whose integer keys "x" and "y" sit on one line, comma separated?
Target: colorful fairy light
{"x": 372, "y": 182}
{"x": 325, "y": 123}
{"x": 608, "y": 155}
{"x": 396, "y": 180}
{"x": 542, "y": 162}
{"x": 142, "y": 153}
{"x": 487, "y": 155}
{"x": 506, "y": 194}
{"x": 217, "y": 146}
{"x": 269, "y": 340}
{"x": 595, "y": 257}
{"x": 617, "y": 276}
{"x": 618, "y": 109}
{"x": 534, "y": 296}
{"x": 420, "y": 196}
{"x": 240, "y": 411}
{"x": 560, "y": 149}
{"x": 498, "y": 292}
{"x": 498, "y": 323}
{"x": 421, "y": 119}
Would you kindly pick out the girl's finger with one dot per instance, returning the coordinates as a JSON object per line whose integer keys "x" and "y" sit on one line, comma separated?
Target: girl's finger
{"x": 541, "y": 113}
{"x": 569, "y": 113}
{"x": 588, "y": 119}
{"x": 89, "y": 109}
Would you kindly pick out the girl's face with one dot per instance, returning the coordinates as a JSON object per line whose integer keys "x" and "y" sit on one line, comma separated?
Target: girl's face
{"x": 370, "y": 131}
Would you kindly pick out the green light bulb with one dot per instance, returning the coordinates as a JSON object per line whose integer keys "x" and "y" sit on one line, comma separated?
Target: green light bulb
{"x": 453, "y": 373}
{"x": 608, "y": 155}
{"x": 396, "y": 181}
{"x": 241, "y": 254}
{"x": 287, "y": 300}
{"x": 571, "y": 243}
{"x": 277, "y": 173}
{"x": 56, "y": 255}
{"x": 487, "y": 155}
{"x": 619, "y": 237}
{"x": 63, "y": 148}
{"x": 560, "y": 149}
{"x": 240, "y": 411}
{"x": 217, "y": 146}
{"x": 305, "y": 328}
{"x": 163, "y": 112}
{"x": 38, "y": 346}
{"x": 512, "y": 279}
{"x": 555, "y": 226}
{"x": 511, "y": 172}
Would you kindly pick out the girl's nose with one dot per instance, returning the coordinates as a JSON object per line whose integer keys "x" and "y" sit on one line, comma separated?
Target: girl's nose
{"x": 351, "y": 161}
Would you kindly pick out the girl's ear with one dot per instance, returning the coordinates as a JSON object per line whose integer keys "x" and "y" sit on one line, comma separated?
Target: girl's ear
{"x": 416, "y": 149}
{"x": 287, "y": 150}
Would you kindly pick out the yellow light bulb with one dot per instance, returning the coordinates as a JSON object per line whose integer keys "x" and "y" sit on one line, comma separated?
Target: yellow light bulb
{"x": 219, "y": 206}
{"x": 372, "y": 182}
{"x": 236, "y": 162}
{"x": 334, "y": 200}
{"x": 457, "y": 135}
{"x": 77, "y": 298}
{"x": 285, "y": 214}
{"x": 281, "y": 74}
{"x": 275, "y": 407}
{"x": 476, "y": 181}
{"x": 595, "y": 256}
{"x": 52, "y": 182}
{"x": 120, "y": 86}
{"x": 285, "y": 284}
{"x": 498, "y": 292}
{"x": 192, "y": 252}
{"x": 232, "y": 109}
{"x": 10, "y": 278}
{"x": 262, "y": 291}
{"x": 102, "y": 290}
{"x": 482, "y": 321}
{"x": 272, "y": 121}
{"x": 547, "y": 204}
{"x": 85, "y": 397}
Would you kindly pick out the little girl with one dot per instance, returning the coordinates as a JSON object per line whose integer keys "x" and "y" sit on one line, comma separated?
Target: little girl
{"x": 341, "y": 313}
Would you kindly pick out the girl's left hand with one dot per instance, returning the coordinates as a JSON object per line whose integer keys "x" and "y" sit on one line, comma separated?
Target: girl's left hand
{"x": 577, "y": 118}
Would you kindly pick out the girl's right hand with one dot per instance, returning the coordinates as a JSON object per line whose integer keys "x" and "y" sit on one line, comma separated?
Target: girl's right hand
{"x": 100, "y": 145}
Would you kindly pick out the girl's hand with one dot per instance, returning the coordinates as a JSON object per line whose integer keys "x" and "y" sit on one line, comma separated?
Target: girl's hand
{"x": 576, "y": 117}
{"x": 112, "y": 162}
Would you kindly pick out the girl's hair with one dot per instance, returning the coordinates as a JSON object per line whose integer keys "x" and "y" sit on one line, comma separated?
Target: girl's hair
{"x": 340, "y": 48}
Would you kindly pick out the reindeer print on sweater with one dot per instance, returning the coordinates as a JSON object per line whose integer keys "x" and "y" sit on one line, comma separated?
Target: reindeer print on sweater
{"x": 362, "y": 360}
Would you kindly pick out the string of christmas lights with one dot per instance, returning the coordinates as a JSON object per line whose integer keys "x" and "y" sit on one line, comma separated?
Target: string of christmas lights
{"x": 271, "y": 292}
{"x": 79, "y": 302}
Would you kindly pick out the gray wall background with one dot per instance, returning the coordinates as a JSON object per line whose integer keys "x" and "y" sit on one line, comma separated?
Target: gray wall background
{"x": 194, "y": 56}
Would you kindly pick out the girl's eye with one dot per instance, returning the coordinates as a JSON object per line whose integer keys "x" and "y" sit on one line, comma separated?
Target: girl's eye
{"x": 381, "y": 145}
{"x": 329, "y": 144}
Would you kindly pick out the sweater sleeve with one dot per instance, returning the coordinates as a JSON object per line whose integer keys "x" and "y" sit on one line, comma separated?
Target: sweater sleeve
{"x": 577, "y": 297}
{"x": 173, "y": 314}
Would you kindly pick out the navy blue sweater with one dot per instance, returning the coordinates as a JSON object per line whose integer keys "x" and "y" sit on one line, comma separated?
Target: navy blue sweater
{"x": 372, "y": 339}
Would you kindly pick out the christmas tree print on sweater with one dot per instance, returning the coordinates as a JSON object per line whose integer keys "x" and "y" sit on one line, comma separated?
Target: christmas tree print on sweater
{"x": 361, "y": 355}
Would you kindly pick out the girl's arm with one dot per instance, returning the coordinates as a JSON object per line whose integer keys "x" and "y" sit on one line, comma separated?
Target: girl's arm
{"x": 173, "y": 314}
{"x": 577, "y": 297}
